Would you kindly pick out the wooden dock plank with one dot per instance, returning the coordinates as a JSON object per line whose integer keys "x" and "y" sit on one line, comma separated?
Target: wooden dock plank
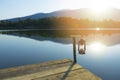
{"x": 43, "y": 74}
{"x": 34, "y": 65}
{"x": 54, "y": 70}
{"x": 29, "y": 69}
{"x": 77, "y": 74}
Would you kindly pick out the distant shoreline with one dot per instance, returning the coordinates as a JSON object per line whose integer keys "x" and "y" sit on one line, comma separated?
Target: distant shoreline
{"x": 62, "y": 29}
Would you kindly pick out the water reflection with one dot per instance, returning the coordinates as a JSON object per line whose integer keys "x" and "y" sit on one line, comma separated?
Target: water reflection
{"x": 108, "y": 38}
{"x": 28, "y": 47}
{"x": 97, "y": 46}
{"x": 97, "y": 29}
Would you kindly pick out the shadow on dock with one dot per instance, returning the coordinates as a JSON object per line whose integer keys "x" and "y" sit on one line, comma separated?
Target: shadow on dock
{"x": 68, "y": 71}
{"x": 54, "y": 70}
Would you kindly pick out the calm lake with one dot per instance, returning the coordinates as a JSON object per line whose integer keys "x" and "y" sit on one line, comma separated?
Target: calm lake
{"x": 29, "y": 47}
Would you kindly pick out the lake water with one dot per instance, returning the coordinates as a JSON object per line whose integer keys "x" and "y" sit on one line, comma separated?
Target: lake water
{"x": 29, "y": 47}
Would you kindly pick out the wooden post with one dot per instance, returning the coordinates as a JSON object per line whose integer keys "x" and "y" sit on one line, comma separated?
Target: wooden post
{"x": 74, "y": 49}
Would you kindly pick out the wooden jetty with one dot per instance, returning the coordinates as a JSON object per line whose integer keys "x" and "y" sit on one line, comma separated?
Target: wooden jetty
{"x": 54, "y": 70}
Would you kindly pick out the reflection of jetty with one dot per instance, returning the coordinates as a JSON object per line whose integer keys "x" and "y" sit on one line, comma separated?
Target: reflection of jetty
{"x": 54, "y": 70}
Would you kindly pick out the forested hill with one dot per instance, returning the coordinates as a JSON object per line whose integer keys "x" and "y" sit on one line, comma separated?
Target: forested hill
{"x": 82, "y": 13}
{"x": 57, "y": 22}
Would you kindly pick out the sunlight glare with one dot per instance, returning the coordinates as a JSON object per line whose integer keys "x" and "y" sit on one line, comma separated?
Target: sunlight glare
{"x": 98, "y": 6}
{"x": 97, "y": 47}
{"x": 97, "y": 29}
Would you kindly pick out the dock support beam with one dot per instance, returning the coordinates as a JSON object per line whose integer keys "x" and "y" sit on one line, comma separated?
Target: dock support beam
{"x": 74, "y": 49}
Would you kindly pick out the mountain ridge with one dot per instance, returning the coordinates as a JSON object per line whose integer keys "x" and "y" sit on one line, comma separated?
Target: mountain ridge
{"x": 83, "y": 13}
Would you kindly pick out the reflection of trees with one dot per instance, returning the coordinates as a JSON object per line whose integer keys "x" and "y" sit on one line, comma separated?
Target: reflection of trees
{"x": 64, "y": 36}
{"x": 57, "y": 22}
{"x": 62, "y": 33}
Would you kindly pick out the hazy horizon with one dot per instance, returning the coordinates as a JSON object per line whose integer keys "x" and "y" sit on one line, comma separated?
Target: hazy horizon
{"x": 19, "y": 8}
{"x": 89, "y": 10}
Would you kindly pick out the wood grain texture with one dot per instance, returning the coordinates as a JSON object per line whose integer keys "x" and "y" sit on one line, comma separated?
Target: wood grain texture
{"x": 54, "y": 70}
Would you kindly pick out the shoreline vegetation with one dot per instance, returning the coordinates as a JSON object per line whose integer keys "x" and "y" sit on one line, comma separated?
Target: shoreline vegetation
{"x": 58, "y": 23}
{"x": 57, "y": 33}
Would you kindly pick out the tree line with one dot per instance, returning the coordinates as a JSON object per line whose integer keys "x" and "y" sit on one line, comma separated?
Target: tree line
{"x": 57, "y": 22}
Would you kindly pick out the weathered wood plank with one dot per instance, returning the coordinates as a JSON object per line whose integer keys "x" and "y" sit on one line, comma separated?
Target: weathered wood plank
{"x": 77, "y": 74}
{"x": 44, "y": 73}
{"x": 54, "y": 70}
{"x": 29, "y": 69}
{"x": 34, "y": 65}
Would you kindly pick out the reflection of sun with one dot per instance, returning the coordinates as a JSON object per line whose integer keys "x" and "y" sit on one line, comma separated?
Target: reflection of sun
{"x": 97, "y": 29}
{"x": 97, "y": 47}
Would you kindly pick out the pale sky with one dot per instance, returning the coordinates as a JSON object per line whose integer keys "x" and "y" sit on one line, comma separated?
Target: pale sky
{"x": 19, "y": 8}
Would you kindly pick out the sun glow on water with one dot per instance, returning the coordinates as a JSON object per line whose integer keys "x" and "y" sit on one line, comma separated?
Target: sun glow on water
{"x": 97, "y": 29}
{"x": 97, "y": 47}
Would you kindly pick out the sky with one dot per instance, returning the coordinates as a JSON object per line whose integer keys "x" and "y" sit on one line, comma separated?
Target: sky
{"x": 19, "y": 8}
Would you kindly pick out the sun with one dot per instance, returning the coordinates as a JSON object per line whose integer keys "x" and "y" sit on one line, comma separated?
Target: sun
{"x": 98, "y": 10}
{"x": 98, "y": 6}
